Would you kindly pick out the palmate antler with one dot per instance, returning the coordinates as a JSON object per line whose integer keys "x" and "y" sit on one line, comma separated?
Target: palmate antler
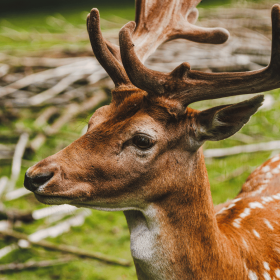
{"x": 158, "y": 21}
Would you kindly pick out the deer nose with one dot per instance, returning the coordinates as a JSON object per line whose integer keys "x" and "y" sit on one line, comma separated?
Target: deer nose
{"x": 32, "y": 183}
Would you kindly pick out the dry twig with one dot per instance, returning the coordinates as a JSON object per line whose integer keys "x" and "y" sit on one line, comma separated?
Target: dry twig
{"x": 32, "y": 264}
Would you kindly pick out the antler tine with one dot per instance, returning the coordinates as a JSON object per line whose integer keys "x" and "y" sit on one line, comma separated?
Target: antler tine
{"x": 159, "y": 21}
{"x": 275, "y": 52}
{"x": 106, "y": 53}
{"x": 190, "y": 86}
{"x": 142, "y": 77}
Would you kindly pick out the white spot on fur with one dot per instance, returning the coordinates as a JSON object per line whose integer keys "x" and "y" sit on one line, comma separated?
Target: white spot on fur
{"x": 266, "y": 168}
{"x": 266, "y": 266}
{"x": 245, "y": 244}
{"x": 268, "y": 175}
{"x": 245, "y": 213}
{"x": 252, "y": 275}
{"x": 256, "y": 233}
{"x": 268, "y": 224}
{"x": 236, "y": 200}
{"x": 260, "y": 190}
{"x": 275, "y": 158}
{"x": 245, "y": 266}
{"x": 266, "y": 276}
{"x": 267, "y": 199}
{"x": 277, "y": 273}
{"x": 255, "y": 205}
{"x": 226, "y": 208}
{"x": 275, "y": 171}
{"x": 277, "y": 250}
{"x": 237, "y": 222}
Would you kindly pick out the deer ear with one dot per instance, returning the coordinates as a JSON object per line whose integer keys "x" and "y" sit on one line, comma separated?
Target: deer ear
{"x": 222, "y": 122}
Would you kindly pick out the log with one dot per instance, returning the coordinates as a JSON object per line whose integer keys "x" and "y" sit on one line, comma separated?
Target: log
{"x": 67, "y": 249}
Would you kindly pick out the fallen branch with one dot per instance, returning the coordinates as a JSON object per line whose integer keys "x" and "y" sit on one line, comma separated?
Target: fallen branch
{"x": 6, "y": 152}
{"x": 53, "y": 210}
{"x": 4, "y": 69}
{"x": 237, "y": 172}
{"x": 55, "y": 90}
{"x": 41, "y": 61}
{"x": 58, "y": 72}
{"x": 8, "y": 249}
{"x": 14, "y": 215}
{"x": 27, "y": 217}
{"x": 16, "y": 167}
{"x": 16, "y": 194}
{"x": 53, "y": 213}
{"x": 59, "y": 228}
{"x": 67, "y": 249}
{"x": 243, "y": 138}
{"x": 45, "y": 116}
{"x": 72, "y": 110}
{"x": 3, "y": 184}
{"x": 32, "y": 264}
{"x": 253, "y": 148}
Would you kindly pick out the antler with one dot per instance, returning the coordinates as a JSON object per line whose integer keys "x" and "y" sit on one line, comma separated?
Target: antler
{"x": 157, "y": 21}
{"x": 190, "y": 86}
{"x": 106, "y": 53}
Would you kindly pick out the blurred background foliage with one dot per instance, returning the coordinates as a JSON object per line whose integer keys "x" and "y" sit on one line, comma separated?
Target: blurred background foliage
{"x": 53, "y": 28}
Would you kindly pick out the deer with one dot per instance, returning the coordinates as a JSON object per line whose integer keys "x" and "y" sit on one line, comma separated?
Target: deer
{"x": 142, "y": 154}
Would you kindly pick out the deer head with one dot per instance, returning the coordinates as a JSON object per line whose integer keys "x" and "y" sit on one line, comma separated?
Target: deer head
{"x": 129, "y": 154}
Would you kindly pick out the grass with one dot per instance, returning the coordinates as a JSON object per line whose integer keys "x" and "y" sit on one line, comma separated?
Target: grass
{"x": 102, "y": 231}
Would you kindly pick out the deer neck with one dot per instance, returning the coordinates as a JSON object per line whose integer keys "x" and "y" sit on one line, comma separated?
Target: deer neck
{"x": 178, "y": 237}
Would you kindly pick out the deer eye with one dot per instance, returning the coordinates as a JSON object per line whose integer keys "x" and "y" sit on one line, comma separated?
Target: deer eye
{"x": 142, "y": 142}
